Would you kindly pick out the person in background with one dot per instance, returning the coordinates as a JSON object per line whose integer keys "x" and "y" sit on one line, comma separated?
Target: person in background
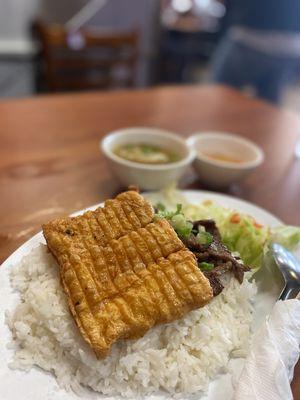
{"x": 260, "y": 47}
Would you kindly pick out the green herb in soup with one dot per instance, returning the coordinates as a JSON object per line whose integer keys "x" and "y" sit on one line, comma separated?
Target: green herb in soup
{"x": 146, "y": 154}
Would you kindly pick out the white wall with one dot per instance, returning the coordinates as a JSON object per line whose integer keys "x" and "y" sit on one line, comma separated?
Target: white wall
{"x": 15, "y": 16}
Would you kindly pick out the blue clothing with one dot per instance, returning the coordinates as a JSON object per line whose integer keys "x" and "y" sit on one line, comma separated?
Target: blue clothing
{"x": 238, "y": 65}
{"x": 271, "y": 15}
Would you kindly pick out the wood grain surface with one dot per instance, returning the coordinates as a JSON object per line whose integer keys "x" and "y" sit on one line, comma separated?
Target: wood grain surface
{"x": 50, "y": 163}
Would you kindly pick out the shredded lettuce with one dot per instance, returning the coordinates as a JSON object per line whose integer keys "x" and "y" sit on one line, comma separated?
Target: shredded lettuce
{"x": 287, "y": 236}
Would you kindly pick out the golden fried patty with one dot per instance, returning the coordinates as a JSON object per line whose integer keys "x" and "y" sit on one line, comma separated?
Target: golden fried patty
{"x": 123, "y": 272}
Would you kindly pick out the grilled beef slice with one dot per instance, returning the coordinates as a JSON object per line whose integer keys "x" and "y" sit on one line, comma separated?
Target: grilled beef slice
{"x": 217, "y": 254}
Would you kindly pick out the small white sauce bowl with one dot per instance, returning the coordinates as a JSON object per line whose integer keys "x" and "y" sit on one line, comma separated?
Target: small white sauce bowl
{"x": 147, "y": 176}
{"x": 217, "y": 173}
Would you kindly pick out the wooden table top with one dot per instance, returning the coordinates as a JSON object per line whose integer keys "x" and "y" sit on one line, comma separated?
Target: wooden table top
{"x": 50, "y": 163}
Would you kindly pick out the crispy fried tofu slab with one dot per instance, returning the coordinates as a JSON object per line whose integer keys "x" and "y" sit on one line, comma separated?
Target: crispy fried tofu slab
{"x": 123, "y": 272}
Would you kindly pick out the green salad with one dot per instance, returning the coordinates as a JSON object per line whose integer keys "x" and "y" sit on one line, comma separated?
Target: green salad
{"x": 240, "y": 232}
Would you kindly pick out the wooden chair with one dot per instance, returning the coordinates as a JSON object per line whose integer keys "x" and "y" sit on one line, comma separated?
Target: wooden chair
{"x": 87, "y": 59}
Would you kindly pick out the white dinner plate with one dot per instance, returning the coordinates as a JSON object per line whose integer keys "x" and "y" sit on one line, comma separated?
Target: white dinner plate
{"x": 39, "y": 385}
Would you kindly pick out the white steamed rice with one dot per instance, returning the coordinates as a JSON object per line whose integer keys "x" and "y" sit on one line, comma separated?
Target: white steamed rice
{"x": 183, "y": 356}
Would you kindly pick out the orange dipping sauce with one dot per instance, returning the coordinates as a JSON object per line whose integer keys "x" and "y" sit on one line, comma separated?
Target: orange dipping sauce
{"x": 222, "y": 157}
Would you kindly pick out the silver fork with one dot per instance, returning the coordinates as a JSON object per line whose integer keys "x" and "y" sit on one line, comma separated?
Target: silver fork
{"x": 289, "y": 267}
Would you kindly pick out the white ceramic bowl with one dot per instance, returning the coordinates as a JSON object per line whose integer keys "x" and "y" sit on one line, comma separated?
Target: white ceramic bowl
{"x": 217, "y": 173}
{"x": 147, "y": 176}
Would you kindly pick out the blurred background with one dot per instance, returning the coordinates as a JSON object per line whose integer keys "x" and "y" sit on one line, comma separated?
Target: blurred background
{"x": 49, "y": 46}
